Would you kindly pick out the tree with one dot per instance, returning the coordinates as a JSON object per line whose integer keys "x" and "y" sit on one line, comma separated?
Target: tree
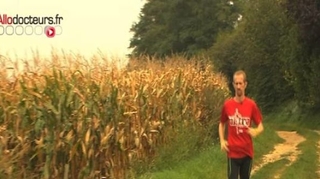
{"x": 186, "y": 27}
{"x": 305, "y": 64}
{"x": 255, "y": 46}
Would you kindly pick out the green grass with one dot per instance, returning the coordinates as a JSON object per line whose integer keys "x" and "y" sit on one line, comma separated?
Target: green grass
{"x": 211, "y": 163}
{"x": 291, "y": 118}
{"x": 307, "y": 163}
{"x": 270, "y": 170}
{"x": 264, "y": 143}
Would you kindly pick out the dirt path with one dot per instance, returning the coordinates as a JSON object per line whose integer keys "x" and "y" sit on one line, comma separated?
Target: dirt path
{"x": 287, "y": 150}
{"x": 318, "y": 154}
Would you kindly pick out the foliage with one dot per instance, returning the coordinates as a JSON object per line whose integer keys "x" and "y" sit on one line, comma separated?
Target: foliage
{"x": 254, "y": 46}
{"x": 304, "y": 67}
{"x": 180, "y": 26}
{"x": 276, "y": 42}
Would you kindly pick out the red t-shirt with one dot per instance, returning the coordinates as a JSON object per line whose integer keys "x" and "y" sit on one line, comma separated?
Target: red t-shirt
{"x": 240, "y": 117}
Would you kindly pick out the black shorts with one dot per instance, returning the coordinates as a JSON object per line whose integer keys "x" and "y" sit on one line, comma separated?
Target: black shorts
{"x": 239, "y": 167}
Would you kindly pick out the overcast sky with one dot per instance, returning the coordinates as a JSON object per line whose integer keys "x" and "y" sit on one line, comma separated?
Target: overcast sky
{"x": 86, "y": 26}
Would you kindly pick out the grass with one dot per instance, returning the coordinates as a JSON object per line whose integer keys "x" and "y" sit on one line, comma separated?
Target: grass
{"x": 211, "y": 162}
{"x": 307, "y": 163}
{"x": 270, "y": 170}
{"x": 291, "y": 118}
{"x": 265, "y": 142}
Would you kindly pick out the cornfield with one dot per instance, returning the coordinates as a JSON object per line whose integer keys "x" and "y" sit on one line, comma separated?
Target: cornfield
{"x": 75, "y": 119}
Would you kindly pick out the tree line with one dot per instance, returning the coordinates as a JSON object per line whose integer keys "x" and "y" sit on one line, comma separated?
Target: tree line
{"x": 276, "y": 42}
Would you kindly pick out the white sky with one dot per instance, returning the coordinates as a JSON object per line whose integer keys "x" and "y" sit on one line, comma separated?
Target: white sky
{"x": 87, "y": 26}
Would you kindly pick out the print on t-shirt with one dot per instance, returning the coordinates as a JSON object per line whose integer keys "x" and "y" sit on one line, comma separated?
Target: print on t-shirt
{"x": 239, "y": 121}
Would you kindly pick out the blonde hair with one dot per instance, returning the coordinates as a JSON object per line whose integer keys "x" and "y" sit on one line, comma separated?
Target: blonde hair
{"x": 241, "y": 72}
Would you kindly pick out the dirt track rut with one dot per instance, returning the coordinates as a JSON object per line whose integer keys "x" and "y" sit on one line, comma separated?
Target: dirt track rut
{"x": 318, "y": 154}
{"x": 288, "y": 150}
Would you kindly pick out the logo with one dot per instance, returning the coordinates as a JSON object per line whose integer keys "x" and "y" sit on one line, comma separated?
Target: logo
{"x": 50, "y": 31}
{"x": 4, "y": 19}
{"x": 239, "y": 121}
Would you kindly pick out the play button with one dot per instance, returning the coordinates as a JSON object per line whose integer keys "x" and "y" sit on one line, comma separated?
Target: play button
{"x": 50, "y": 31}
